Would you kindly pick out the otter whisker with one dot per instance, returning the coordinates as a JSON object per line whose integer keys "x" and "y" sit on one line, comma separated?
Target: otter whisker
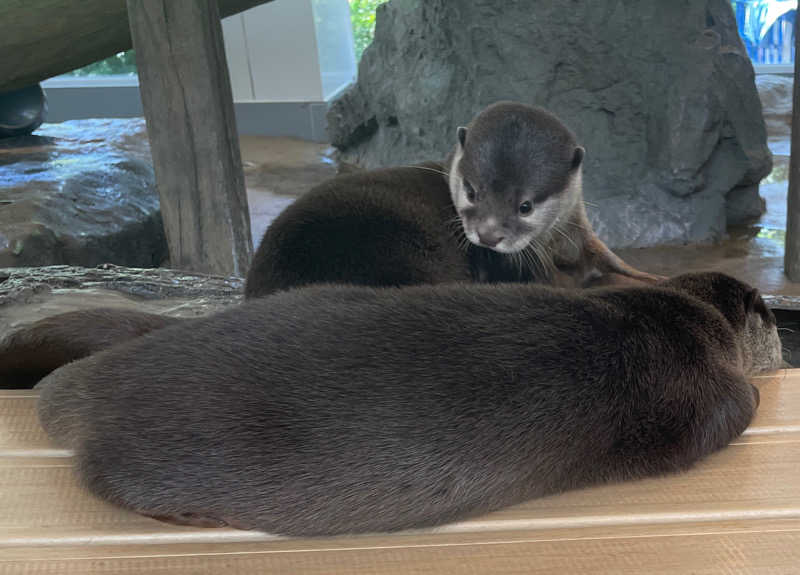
{"x": 566, "y": 237}
{"x": 574, "y": 225}
{"x": 446, "y": 174}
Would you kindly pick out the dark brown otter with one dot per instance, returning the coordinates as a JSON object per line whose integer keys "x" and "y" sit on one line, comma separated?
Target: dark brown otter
{"x": 402, "y": 226}
{"x": 331, "y": 410}
{"x": 30, "y": 353}
{"x": 508, "y": 207}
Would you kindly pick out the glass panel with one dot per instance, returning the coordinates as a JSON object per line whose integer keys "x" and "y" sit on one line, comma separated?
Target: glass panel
{"x": 362, "y": 14}
{"x": 767, "y": 29}
{"x": 121, "y": 64}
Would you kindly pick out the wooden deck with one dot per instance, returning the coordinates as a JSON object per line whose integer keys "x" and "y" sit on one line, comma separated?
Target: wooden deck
{"x": 737, "y": 512}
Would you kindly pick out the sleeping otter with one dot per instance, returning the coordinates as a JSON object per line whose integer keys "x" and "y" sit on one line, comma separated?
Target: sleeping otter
{"x": 334, "y": 409}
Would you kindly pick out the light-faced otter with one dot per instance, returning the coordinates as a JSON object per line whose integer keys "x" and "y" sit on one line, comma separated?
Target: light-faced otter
{"x": 332, "y": 410}
{"x": 515, "y": 179}
{"x": 506, "y": 206}
{"x": 509, "y": 208}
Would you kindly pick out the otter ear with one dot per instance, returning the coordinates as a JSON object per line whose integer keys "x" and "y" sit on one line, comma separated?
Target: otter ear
{"x": 462, "y": 135}
{"x": 577, "y": 157}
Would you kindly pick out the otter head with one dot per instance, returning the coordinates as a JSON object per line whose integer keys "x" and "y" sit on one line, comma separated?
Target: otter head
{"x": 744, "y": 308}
{"x": 761, "y": 345}
{"x": 515, "y": 175}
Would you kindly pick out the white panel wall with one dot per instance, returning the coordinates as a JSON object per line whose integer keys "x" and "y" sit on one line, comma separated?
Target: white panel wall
{"x": 290, "y": 51}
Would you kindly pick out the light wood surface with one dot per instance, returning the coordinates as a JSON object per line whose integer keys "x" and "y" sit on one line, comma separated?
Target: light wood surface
{"x": 736, "y": 512}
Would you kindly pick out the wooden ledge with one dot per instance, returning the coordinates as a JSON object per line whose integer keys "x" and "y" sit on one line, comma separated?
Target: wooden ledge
{"x": 738, "y": 511}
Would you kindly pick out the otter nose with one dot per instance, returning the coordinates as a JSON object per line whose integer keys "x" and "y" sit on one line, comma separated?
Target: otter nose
{"x": 490, "y": 239}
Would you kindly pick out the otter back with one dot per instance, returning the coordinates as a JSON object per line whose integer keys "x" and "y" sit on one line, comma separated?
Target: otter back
{"x": 332, "y": 410}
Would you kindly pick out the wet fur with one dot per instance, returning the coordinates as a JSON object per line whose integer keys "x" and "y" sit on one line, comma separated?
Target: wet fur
{"x": 331, "y": 410}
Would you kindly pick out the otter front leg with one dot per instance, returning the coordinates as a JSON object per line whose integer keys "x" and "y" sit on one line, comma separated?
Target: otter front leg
{"x": 191, "y": 519}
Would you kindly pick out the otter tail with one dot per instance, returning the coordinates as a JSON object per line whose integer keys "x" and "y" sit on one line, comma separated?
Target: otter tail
{"x": 607, "y": 261}
{"x": 30, "y": 353}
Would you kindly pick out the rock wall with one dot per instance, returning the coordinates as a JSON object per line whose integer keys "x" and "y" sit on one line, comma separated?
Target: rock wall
{"x": 80, "y": 193}
{"x": 661, "y": 94}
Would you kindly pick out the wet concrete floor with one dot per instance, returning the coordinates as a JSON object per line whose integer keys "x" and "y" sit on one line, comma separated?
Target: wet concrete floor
{"x": 752, "y": 253}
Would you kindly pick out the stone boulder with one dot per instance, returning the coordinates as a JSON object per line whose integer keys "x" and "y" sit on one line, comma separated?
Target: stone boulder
{"x": 662, "y": 95}
{"x": 776, "y": 100}
{"x": 80, "y": 193}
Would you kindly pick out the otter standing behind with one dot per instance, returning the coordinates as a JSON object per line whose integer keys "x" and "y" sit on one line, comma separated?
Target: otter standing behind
{"x": 508, "y": 209}
{"x": 331, "y": 410}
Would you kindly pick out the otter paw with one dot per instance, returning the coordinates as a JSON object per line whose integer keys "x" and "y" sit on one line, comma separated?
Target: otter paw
{"x": 190, "y": 519}
{"x": 756, "y": 395}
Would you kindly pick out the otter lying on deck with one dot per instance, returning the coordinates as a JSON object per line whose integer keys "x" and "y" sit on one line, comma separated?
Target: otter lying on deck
{"x": 331, "y": 410}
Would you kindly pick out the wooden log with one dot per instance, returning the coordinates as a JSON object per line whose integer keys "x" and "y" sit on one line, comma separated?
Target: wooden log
{"x": 44, "y": 38}
{"x": 791, "y": 259}
{"x": 188, "y": 105}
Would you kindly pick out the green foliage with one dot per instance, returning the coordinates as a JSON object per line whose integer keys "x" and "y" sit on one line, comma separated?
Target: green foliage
{"x": 362, "y": 14}
{"x": 122, "y": 63}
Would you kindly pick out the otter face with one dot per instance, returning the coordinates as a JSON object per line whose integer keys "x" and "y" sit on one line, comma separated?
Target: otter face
{"x": 761, "y": 343}
{"x": 515, "y": 176}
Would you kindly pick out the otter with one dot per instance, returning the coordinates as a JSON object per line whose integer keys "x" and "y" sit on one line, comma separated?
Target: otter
{"x": 331, "y": 410}
{"x": 506, "y": 206}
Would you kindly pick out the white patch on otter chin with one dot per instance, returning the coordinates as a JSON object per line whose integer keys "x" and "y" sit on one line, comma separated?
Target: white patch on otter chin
{"x": 456, "y": 183}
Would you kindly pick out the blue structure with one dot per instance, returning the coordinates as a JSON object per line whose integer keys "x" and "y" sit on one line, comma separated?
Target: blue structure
{"x": 767, "y": 29}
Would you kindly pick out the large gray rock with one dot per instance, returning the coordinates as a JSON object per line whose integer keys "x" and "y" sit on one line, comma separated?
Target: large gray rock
{"x": 661, "y": 93}
{"x": 80, "y": 193}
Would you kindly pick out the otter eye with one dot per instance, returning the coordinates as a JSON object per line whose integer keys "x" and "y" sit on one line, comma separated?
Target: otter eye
{"x": 470, "y": 191}
{"x": 525, "y": 208}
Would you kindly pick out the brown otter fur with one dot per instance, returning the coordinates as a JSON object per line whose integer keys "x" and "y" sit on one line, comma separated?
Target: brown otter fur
{"x": 330, "y": 410}
{"x": 28, "y": 354}
{"x": 400, "y": 226}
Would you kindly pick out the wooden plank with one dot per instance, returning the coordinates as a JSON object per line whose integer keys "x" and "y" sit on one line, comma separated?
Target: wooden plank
{"x": 71, "y": 35}
{"x": 738, "y": 512}
{"x": 187, "y": 100}
{"x": 774, "y": 552}
{"x": 745, "y": 481}
{"x": 791, "y": 259}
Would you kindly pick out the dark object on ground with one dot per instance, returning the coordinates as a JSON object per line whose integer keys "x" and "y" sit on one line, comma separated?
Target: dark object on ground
{"x": 22, "y": 111}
